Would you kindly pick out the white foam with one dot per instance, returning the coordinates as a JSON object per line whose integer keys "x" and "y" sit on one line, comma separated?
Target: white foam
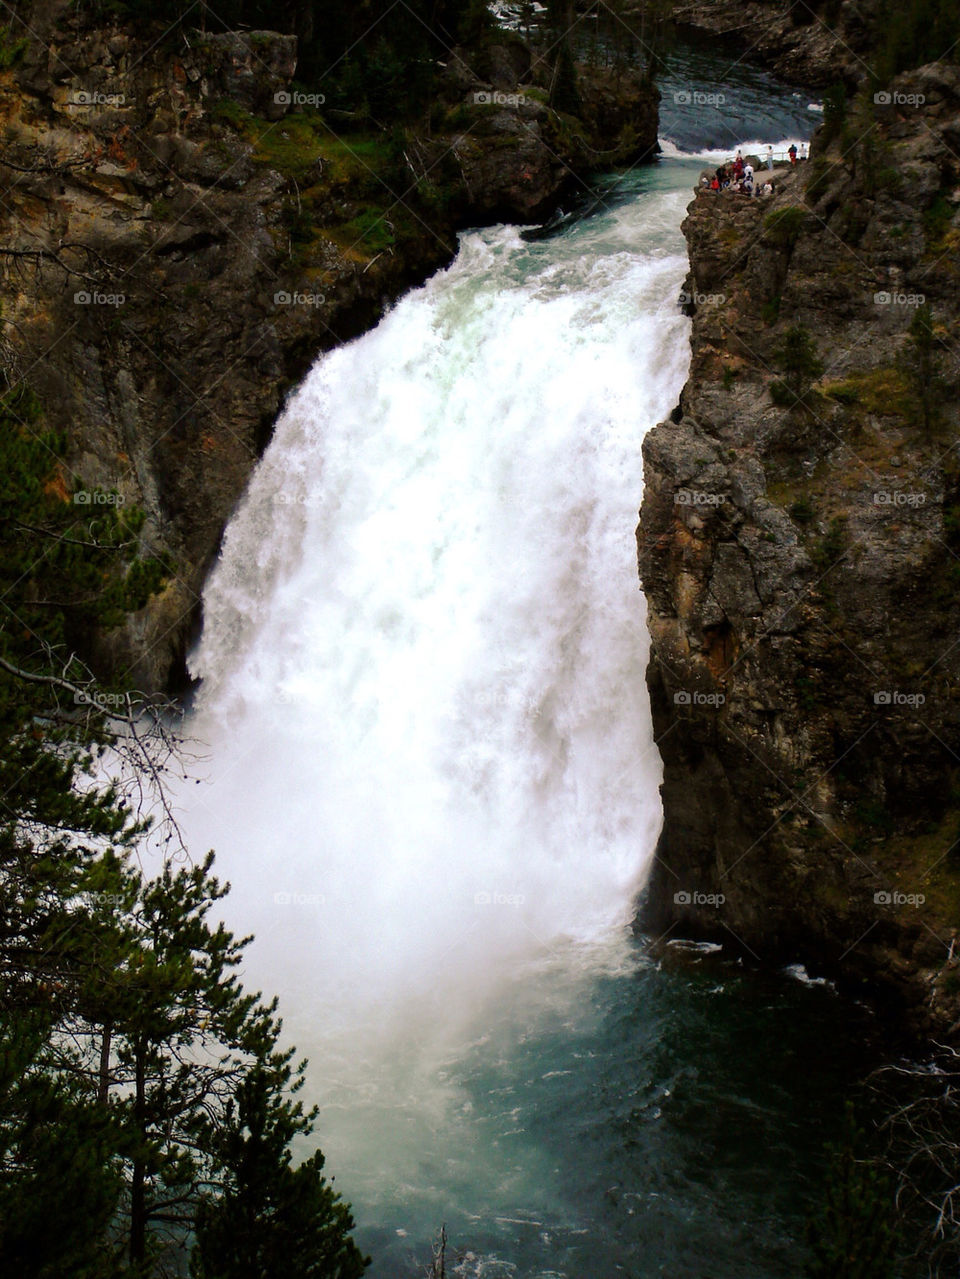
{"x": 799, "y": 973}
{"x": 720, "y": 155}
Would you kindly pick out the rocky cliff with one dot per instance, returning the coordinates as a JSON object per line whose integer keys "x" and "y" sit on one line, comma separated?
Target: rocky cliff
{"x": 183, "y": 230}
{"x": 815, "y": 43}
{"x": 799, "y": 547}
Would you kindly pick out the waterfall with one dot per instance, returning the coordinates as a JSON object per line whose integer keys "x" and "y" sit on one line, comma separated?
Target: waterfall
{"x": 433, "y": 783}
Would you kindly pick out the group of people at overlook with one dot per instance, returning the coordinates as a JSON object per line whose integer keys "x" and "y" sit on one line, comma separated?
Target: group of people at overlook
{"x": 740, "y": 175}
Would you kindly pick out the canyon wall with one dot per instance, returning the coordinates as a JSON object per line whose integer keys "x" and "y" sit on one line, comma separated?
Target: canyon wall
{"x": 799, "y": 548}
{"x": 183, "y": 230}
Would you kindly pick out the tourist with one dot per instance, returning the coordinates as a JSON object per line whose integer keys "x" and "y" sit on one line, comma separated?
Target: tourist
{"x": 769, "y": 157}
{"x": 792, "y": 153}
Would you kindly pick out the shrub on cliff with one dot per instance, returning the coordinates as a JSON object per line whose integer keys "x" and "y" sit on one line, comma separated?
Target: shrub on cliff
{"x": 922, "y": 363}
{"x": 783, "y": 226}
{"x": 854, "y": 1236}
{"x": 797, "y": 359}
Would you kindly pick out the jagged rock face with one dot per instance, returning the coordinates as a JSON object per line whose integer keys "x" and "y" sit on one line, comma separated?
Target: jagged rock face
{"x": 814, "y": 43}
{"x": 179, "y": 246}
{"x": 800, "y": 563}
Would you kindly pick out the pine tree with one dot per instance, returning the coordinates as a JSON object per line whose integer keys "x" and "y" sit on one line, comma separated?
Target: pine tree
{"x": 854, "y": 1236}
{"x": 270, "y": 1217}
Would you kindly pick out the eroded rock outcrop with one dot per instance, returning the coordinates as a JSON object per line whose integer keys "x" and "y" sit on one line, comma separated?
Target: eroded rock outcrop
{"x": 800, "y": 552}
{"x": 816, "y": 43}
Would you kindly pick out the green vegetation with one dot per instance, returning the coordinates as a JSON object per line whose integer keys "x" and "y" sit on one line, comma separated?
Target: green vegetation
{"x": 884, "y": 391}
{"x": 374, "y": 62}
{"x": 797, "y": 359}
{"x": 913, "y": 32}
{"x": 11, "y": 50}
{"x": 76, "y": 547}
{"x": 937, "y": 219}
{"x": 830, "y": 547}
{"x": 834, "y": 109}
{"x": 803, "y": 511}
{"x": 145, "y": 1100}
{"x": 843, "y": 392}
{"x": 783, "y": 226}
{"x": 372, "y": 228}
{"x": 854, "y": 1237}
{"x": 770, "y": 311}
{"x": 921, "y": 363}
{"x": 807, "y": 693}
{"x": 292, "y": 146}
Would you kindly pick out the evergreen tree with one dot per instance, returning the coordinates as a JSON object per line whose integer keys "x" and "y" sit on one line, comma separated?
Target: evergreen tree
{"x": 270, "y": 1217}
{"x": 922, "y": 363}
{"x": 854, "y": 1236}
{"x": 561, "y": 20}
{"x": 798, "y": 361}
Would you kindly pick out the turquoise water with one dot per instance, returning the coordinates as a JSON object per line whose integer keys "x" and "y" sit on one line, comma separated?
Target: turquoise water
{"x": 672, "y": 1123}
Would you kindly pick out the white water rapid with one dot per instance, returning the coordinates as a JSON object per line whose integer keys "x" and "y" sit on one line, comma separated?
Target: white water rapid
{"x": 432, "y": 775}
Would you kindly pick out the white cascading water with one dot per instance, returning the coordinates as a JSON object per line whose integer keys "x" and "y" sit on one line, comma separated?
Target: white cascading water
{"x": 432, "y": 768}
